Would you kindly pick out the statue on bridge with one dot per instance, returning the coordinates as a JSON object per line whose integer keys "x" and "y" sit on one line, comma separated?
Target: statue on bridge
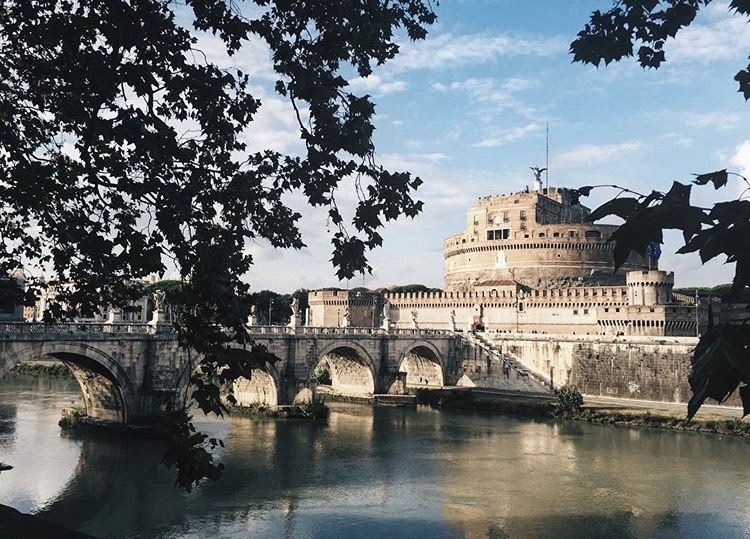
{"x": 159, "y": 297}
{"x": 295, "y": 320}
{"x": 159, "y": 315}
{"x": 414, "y": 316}
{"x": 386, "y": 314}
{"x": 252, "y": 319}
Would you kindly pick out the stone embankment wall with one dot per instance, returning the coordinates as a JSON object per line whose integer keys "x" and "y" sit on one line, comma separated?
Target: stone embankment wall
{"x": 484, "y": 369}
{"x": 627, "y": 367}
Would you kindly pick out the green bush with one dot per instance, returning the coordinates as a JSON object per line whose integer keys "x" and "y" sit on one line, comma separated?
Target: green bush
{"x": 322, "y": 375}
{"x": 569, "y": 401}
{"x": 316, "y": 408}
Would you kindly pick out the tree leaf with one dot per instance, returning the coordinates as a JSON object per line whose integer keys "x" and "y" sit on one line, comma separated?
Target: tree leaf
{"x": 622, "y": 207}
{"x": 718, "y": 178}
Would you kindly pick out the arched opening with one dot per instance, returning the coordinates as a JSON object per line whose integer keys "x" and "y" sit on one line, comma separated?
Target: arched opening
{"x": 104, "y": 385}
{"x": 422, "y": 368}
{"x": 349, "y": 371}
{"x": 102, "y": 396}
{"x": 258, "y": 390}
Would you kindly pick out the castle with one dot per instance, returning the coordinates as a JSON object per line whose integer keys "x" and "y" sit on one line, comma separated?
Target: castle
{"x": 528, "y": 262}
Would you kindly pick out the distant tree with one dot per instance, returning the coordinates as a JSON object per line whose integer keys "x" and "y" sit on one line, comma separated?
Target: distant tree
{"x": 721, "y": 361}
{"x": 122, "y": 153}
{"x": 280, "y": 311}
{"x": 413, "y": 288}
{"x": 172, "y": 288}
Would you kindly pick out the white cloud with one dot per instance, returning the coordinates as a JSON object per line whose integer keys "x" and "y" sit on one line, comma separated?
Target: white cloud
{"x": 723, "y": 36}
{"x": 508, "y": 135}
{"x": 274, "y": 126}
{"x": 716, "y": 120}
{"x": 452, "y": 50}
{"x": 741, "y": 160}
{"x": 254, "y": 58}
{"x": 413, "y": 162}
{"x": 593, "y": 153}
{"x": 494, "y": 96}
{"x": 377, "y": 85}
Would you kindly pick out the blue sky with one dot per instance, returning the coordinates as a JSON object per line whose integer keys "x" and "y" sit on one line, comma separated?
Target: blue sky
{"x": 466, "y": 110}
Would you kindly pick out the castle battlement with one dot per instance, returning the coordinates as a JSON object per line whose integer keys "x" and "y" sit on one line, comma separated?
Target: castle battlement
{"x": 527, "y": 262}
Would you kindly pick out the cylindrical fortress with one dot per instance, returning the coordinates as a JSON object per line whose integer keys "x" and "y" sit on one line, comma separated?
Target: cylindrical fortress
{"x": 652, "y": 287}
{"x": 535, "y": 238}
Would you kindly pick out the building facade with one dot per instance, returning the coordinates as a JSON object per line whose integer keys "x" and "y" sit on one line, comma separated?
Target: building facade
{"x": 528, "y": 262}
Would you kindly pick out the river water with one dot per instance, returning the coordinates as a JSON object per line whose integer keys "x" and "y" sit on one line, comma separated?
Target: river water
{"x": 379, "y": 473}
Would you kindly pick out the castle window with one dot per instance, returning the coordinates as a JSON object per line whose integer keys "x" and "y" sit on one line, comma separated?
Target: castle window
{"x": 506, "y": 217}
{"x": 592, "y": 235}
{"x": 555, "y": 234}
{"x": 522, "y": 215}
{"x": 541, "y": 234}
{"x": 572, "y": 233}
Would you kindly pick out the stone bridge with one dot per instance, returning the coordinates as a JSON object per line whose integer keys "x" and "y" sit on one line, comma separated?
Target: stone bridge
{"x": 127, "y": 372}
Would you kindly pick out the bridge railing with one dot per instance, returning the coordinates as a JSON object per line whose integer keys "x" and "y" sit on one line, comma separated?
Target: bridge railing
{"x": 67, "y": 328}
{"x": 316, "y": 330}
{"x": 57, "y": 328}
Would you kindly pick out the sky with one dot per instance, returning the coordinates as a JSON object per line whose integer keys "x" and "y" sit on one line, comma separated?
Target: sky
{"x": 467, "y": 111}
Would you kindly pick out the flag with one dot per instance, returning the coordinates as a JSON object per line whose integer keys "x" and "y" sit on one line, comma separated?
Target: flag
{"x": 654, "y": 252}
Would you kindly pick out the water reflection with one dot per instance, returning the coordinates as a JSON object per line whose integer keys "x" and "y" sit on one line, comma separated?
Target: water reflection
{"x": 29, "y": 436}
{"x": 398, "y": 473}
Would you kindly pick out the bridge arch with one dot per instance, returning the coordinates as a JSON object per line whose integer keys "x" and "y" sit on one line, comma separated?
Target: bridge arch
{"x": 423, "y": 365}
{"x": 107, "y": 389}
{"x": 261, "y": 389}
{"x": 351, "y": 368}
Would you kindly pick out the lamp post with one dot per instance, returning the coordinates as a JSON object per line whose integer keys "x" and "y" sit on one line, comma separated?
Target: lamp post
{"x": 697, "y": 331}
{"x": 270, "y": 311}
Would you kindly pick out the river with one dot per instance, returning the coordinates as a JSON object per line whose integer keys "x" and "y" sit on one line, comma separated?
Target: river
{"x": 378, "y": 473}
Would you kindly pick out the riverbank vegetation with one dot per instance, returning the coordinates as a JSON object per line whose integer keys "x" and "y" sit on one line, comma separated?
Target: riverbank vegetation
{"x": 315, "y": 408}
{"x": 569, "y": 405}
{"x": 40, "y": 370}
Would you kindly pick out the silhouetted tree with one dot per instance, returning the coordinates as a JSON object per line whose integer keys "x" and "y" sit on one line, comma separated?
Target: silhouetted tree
{"x": 122, "y": 153}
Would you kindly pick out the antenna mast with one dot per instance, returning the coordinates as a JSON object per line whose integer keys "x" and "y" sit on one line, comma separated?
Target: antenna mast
{"x": 546, "y": 165}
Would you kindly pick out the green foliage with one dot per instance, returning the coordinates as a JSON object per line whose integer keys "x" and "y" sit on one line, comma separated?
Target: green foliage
{"x": 315, "y": 408}
{"x": 646, "y": 24}
{"x": 722, "y": 291}
{"x": 721, "y": 361}
{"x": 280, "y": 311}
{"x": 174, "y": 291}
{"x": 413, "y": 288}
{"x": 122, "y": 151}
{"x": 569, "y": 401}
{"x": 322, "y": 375}
{"x": 189, "y": 451}
{"x": 39, "y": 370}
